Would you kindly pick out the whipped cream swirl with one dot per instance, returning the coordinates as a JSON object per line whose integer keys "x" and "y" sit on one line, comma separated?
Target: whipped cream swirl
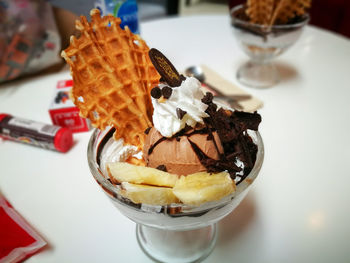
{"x": 186, "y": 97}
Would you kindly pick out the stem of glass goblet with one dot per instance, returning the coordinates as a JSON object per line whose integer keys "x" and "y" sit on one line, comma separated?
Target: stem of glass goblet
{"x": 175, "y": 245}
{"x": 258, "y": 74}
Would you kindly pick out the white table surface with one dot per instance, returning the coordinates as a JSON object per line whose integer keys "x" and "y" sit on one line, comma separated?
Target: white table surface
{"x": 298, "y": 208}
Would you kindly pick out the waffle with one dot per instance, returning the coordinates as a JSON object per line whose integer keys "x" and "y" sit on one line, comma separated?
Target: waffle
{"x": 112, "y": 77}
{"x": 270, "y": 12}
{"x": 260, "y": 11}
{"x": 287, "y": 9}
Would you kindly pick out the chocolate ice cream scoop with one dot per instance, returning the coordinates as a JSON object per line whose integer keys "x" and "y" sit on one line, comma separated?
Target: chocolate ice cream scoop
{"x": 177, "y": 154}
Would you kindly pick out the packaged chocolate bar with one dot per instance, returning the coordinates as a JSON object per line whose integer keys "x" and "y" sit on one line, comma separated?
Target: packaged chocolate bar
{"x": 47, "y": 136}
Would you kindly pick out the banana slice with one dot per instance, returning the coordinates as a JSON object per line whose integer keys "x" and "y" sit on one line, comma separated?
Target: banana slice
{"x": 152, "y": 195}
{"x": 198, "y": 188}
{"x": 125, "y": 172}
{"x": 151, "y": 186}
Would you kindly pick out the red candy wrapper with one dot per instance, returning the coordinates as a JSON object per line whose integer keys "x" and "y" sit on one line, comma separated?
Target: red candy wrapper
{"x": 63, "y": 112}
{"x": 18, "y": 240}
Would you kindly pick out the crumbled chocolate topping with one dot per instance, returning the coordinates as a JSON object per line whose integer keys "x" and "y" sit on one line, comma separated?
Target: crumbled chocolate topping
{"x": 210, "y": 137}
{"x": 180, "y": 113}
{"x": 162, "y": 167}
{"x": 208, "y": 98}
{"x": 211, "y": 108}
{"x": 166, "y": 92}
{"x": 147, "y": 130}
{"x": 252, "y": 121}
{"x": 231, "y": 127}
{"x": 213, "y": 166}
{"x": 156, "y": 93}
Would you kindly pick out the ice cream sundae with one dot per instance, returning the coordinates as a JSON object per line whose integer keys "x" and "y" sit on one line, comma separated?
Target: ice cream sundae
{"x": 173, "y": 143}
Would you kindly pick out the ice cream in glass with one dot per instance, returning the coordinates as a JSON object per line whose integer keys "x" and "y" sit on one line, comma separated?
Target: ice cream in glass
{"x": 265, "y": 29}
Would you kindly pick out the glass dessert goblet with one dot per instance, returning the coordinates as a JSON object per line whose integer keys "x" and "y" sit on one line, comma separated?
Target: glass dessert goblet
{"x": 262, "y": 43}
{"x": 176, "y": 232}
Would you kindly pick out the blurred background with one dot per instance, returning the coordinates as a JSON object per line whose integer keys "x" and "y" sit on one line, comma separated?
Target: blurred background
{"x": 333, "y": 15}
{"x": 32, "y": 33}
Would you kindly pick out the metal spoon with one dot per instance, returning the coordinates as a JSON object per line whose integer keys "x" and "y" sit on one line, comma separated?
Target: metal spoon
{"x": 197, "y": 72}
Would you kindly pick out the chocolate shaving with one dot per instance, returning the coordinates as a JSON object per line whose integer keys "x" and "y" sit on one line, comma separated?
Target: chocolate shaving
{"x": 165, "y": 68}
{"x": 147, "y": 130}
{"x": 156, "y": 93}
{"x": 202, "y": 157}
{"x": 232, "y": 175}
{"x": 162, "y": 167}
{"x": 212, "y": 165}
{"x": 210, "y": 137}
{"x": 180, "y": 113}
{"x": 166, "y": 92}
{"x": 208, "y": 98}
{"x": 249, "y": 120}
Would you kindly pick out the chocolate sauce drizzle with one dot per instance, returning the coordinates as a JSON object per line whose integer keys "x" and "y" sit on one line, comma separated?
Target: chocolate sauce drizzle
{"x": 102, "y": 144}
{"x": 150, "y": 150}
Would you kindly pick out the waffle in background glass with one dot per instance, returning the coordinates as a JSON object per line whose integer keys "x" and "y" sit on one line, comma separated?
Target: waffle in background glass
{"x": 265, "y": 30}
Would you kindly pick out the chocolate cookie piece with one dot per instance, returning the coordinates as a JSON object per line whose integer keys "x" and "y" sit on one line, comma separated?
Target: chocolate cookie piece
{"x": 180, "y": 113}
{"x": 165, "y": 68}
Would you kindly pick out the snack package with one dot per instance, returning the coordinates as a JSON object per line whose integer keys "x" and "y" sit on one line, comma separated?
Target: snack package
{"x": 29, "y": 40}
{"x": 63, "y": 112}
{"x": 18, "y": 240}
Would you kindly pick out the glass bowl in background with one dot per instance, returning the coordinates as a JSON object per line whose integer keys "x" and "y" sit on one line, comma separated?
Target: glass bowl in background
{"x": 177, "y": 232}
{"x": 263, "y": 43}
